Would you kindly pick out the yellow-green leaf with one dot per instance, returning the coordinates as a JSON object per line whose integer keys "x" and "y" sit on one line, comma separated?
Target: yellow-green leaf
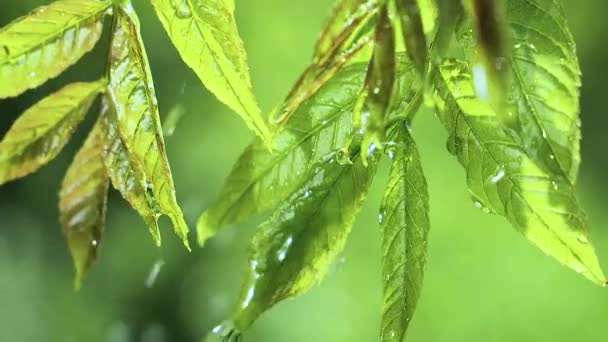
{"x": 404, "y": 224}
{"x": 40, "y": 133}
{"x": 505, "y": 179}
{"x": 82, "y": 202}
{"x": 131, "y": 91}
{"x": 543, "y": 102}
{"x": 42, "y": 44}
{"x": 261, "y": 180}
{"x": 206, "y": 36}
{"x": 126, "y": 174}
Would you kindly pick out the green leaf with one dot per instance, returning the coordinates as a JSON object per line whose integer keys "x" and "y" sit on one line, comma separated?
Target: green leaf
{"x": 126, "y": 174}
{"x": 544, "y": 99}
{"x": 41, "y": 131}
{"x": 504, "y": 179}
{"x": 404, "y": 223}
{"x": 293, "y": 250}
{"x": 82, "y": 202}
{"x": 374, "y": 104}
{"x": 205, "y": 35}
{"x": 413, "y": 32}
{"x": 41, "y": 45}
{"x": 261, "y": 180}
{"x": 132, "y": 94}
{"x": 346, "y": 39}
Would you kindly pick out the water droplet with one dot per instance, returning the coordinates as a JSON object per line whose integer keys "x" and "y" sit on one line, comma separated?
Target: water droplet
{"x": 480, "y": 79}
{"x": 481, "y": 207}
{"x": 500, "y": 174}
{"x": 555, "y": 185}
{"x": 284, "y": 249}
{"x": 307, "y": 193}
{"x": 225, "y": 332}
{"x": 33, "y": 74}
{"x": 182, "y": 8}
{"x": 343, "y": 157}
{"x": 154, "y": 272}
{"x": 376, "y": 90}
{"x": 94, "y": 243}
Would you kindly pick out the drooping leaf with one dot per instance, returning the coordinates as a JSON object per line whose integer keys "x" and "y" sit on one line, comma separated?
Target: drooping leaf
{"x": 42, "y": 44}
{"x": 127, "y": 175}
{"x": 82, "y": 202}
{"x": 292, "y": 250}
{"x": 346, "y": 39}
{"x": 261, "y": 180}
{"x": 504, "y": 179}
{"x": 492, "y": 73}
{"x": 544, "y": 99}
{"x": 412, "y": 28}
{"x": 132, "y": 94}
{"x": 205, "y": 35}
{"x": 404, "y": 223}
{"x": 40, "y": 133}
{"x": 379, "y": 82}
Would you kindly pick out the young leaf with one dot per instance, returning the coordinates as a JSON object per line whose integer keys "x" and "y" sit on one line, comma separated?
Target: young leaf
{"x": 205, "y": 35}
{"x": 292, "y": 250}
{"x": 41, "y": 45}
{"x": 261, "y": 180}
{"x": 404, "y": 223}
{"x": 40, "y": 133}
{"x": 126, "y": 174}
{"x": 379, "y": 83}
{"x": 82, "y": 202}
{"x": 132, "y": 94}
{"x": 341, "y": 43}
{"x": 412, "y": 28}
{"x": 504, "y": 179}
{"x": 544, "y": 99}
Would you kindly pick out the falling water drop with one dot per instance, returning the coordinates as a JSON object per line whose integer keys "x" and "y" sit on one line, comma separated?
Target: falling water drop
{"x": 154, "y": 272}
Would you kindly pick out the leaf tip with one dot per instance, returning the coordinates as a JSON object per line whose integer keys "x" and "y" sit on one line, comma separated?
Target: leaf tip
{"x": 204, "y": 230}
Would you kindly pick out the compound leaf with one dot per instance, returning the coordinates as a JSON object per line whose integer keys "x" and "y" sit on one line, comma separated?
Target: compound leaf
{"x": 42, "y": 131}
{"x": 44, "y": 43}
{"x": 261, "y": 180}
{"x": 131, "y": 91}
{"x": 544, "y": 100}
{"x": 82, "y": 202}
{"x": 504, "y": 179}
{"x": 205, "y": 35}
{"x": 404, "y": 224}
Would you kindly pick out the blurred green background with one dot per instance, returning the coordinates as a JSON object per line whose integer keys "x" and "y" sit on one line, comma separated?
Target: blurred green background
{"x": 484, "y": 281}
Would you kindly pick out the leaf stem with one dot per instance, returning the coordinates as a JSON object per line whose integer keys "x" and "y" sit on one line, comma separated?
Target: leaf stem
{"x": 111, "y": 41}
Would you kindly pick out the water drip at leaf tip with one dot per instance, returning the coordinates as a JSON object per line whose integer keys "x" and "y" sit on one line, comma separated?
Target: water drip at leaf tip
{"x": 225, "y": 332}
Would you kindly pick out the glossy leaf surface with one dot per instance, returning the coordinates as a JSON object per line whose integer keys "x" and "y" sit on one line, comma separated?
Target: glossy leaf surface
{"x": 544, "y": 100}
{"x": 504, "y": 179}
{"x": 44, "y": 43}
{"x": 133, "y": 97}
{"x": 42, "y": 131}
{"x": 206, "y": 36}
{"x": 82, "y": 202}
{"x": 404, "y": 224}
{"x": 261, "y": 180}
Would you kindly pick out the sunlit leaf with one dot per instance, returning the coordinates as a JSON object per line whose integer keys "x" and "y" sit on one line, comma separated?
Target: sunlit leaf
{"x": 544, "y": 99}
{"x": 132, "y": 93}
{"x": 40, "y": 133}
{"x": 292, "y": 250}
{"x": 127, "y": 174}
{"x": 504, "y": 179}
{"x": 261, "y": 180}
{"x": 379, "y": 82}
{"x": 44, "y": 43}
{"x": 206, "y": 36}
{"x": 82, "y": 202}
{"x": 412, "y": 28}
{"x": 404, "y": 224}
{"x": 346, "y": 39}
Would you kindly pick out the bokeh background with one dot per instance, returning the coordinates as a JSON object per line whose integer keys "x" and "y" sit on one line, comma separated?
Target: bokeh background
{"x": 484, "y": 281}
